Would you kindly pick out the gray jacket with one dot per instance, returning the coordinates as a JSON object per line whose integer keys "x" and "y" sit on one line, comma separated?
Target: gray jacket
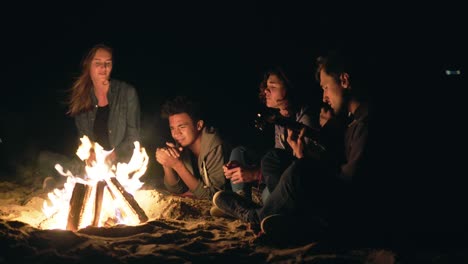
{"x": 213, "y": 155}
{"x": 124, "y": 119}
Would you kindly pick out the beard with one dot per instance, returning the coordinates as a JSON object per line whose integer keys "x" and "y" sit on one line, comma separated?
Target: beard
{"x": 342, "y": 103}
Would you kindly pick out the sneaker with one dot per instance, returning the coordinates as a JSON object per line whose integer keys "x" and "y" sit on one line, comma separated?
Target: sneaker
{"x": 279, "y": 230}
{"x": 216, "y": 212}
{"x": 232, "y": 204}
{"x": 244, "y": 194}
{"x": 274, "y": 223}
{"x": 283, "y": 229}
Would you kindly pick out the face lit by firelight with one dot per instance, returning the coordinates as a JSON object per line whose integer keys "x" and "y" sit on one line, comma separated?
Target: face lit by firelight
{"x": 333, "y": 91}
{"x": 101, "y": 66}
{"x": 275, "y": 92}
{"x": 183, "y": 129}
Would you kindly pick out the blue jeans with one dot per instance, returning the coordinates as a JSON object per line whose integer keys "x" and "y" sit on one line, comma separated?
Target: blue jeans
{"x": 246, "y": 158}
{"x": 273, "y": 164}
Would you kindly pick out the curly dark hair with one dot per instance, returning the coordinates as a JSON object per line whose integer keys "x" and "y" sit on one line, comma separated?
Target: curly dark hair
{"x": 292, "y": 93}
{"x": 278, "y": 72}
{"x": 181, "y": 104}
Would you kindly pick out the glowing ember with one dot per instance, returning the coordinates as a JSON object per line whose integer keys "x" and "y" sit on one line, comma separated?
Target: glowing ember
{"x": 114, "y": 209}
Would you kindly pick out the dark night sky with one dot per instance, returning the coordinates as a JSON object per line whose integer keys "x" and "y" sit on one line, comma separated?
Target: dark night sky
{"x": 217, "y": 51}
{"x": 214, "y": 51}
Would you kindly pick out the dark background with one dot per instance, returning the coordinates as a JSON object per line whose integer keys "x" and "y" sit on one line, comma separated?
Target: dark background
{"x": 214, "y": 52}
{"x": 217, "y": 51}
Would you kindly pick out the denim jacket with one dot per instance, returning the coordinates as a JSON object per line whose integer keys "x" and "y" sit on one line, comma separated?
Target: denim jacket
{"x": 124, "y": 119}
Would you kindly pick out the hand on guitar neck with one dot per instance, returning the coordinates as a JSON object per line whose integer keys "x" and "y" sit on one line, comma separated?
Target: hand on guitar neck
{"x": 275, "y": 118}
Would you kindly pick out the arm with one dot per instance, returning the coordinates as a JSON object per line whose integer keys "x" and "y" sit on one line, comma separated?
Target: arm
{"x": 175, "y": 171}
{"x": 357, "y": 137}
{"x": 186, "y": 176}
{"x": 132, "y": 131}
{"x": 81, "y": 123}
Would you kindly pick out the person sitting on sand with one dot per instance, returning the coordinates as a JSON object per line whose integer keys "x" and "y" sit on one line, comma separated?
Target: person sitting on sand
{"x": 312, "y": 197}
{"x": 277, "y": 92}
{"x": 194, "y": 163}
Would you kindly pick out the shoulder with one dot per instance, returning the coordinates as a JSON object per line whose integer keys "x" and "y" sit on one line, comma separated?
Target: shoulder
{"x": 362, "y": 113}
{"x": 211, "y": 133}
{"x": 211, "y": 130}
{"x": 122, "y": 85}
{"x": 211, "y": 137}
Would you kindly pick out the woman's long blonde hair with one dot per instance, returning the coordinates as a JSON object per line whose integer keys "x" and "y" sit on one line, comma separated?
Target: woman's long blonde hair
{"x": 80, "y": 99}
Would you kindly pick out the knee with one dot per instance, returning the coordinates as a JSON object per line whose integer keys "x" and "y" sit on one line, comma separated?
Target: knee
{"x": 272, "y": 156}
{"x": 237, "y": 151}
{"x": 244, "y": 155}
{"x": 306, "y": 165}
{"x": 276, "y": 159}
{"x": 300, "y": 170}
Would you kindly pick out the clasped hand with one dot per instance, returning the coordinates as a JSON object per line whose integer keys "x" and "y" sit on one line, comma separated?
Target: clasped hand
{"x": 168, "y": 156}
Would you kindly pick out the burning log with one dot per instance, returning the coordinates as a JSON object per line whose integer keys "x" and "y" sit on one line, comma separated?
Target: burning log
{"x": 86, "y": 198}
{"x": 98, "y": 204}
{"x": 129, "y": 205}
{"x": 79, "y": 198}
{"x": 98, "y": 198}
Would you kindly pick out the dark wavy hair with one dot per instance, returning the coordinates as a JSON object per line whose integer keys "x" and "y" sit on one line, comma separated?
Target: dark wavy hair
{"x": 181, "y": 104}
{"x": 279, "y": 72}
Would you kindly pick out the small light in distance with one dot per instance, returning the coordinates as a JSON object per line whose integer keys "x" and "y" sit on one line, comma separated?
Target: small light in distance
{"x": 452, "y": 72}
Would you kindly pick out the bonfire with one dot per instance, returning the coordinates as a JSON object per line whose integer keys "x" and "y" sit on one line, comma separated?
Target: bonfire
{"x": 101, "y": 197}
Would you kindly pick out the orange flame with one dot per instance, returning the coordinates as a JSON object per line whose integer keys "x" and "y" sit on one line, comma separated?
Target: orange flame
{"x": 128, "y": 174}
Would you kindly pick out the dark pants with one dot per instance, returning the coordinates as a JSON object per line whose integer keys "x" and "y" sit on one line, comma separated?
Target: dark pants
{"x": 307, "y": 192}
{"x": 274, "y": 163}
